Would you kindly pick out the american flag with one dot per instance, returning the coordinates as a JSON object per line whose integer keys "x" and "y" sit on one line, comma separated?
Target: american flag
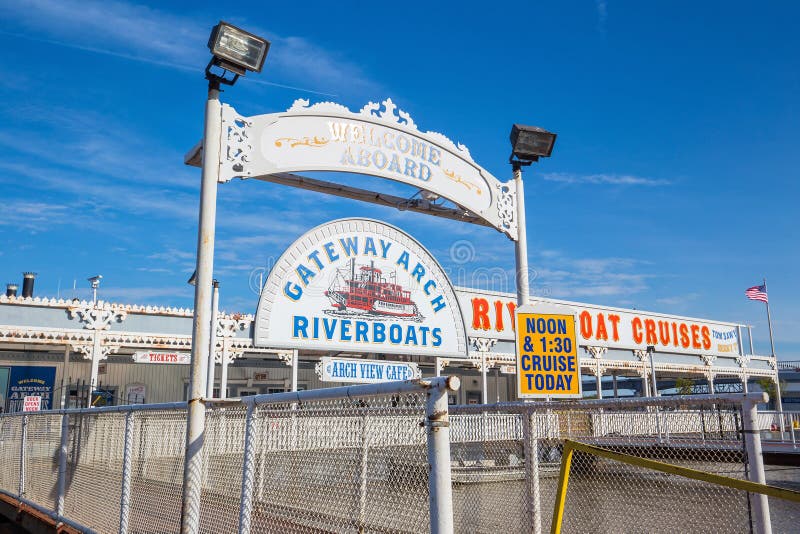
{"x": 757, "y": 293}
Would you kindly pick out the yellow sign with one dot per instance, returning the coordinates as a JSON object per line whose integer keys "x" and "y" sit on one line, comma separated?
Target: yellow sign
{"x": 547, "y": 355}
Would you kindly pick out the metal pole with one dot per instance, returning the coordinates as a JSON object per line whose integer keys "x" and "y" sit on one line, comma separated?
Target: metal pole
{"x": 362, "y": 494}
{"x": 64, "y": 381}
{"x": 196, "y": 413}
{"x": 599, "y": 381}
{"x": 223, "y": 379}
{"x": 96, "y": 355}
{"x": 440, "y": 489}
{"x": 212, "y": 345}
{"x": 750, "y": 338}
{"x": 521, "y": 244}
{"x": 484, "y": 383}
{"x": 248, "y": 470}
{"x": 62, "y": 465}
{"x": 711, "y": 383}
{"x": 295, "y": 364}
{"x": 755, "y": 462}
{"x": 778, "y": 395}
{"x": 22, "y": 444}
{"x": 744, "y": 384}
{"x": 614, "y": 382}
{"x": 531, "y": 444}
{"x": 127, "y": 464}
{"x": 741, "y": 341}
{"x": 653, "y": 374}
{"x": 438, "y": 369}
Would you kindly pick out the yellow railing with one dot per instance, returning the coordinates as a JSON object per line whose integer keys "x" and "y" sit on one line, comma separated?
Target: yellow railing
{"x": 571, "y": 446}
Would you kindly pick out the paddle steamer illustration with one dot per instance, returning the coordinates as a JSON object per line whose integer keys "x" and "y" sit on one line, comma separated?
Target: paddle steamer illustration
{"x": 365, "y": 290}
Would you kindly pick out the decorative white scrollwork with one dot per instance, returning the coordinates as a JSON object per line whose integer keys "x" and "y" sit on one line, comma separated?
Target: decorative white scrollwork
{"x": 85, "y": 351}
{"x": 596, "y": 352}
{"x": 318, "y": 369}
{"x": 96, "y": 318}
{"x": 442, "y": 363}
{"x": 506, "y": 208}
{"x": 708, "y": 359}
{"x": 483, "y": 344}
{"x": 286, "y": 356}
{"x": 743, "y": 360}
{"x": 640, "y": 354}
{"x": 236, "y": 146}
{"x": 228, "y": 326}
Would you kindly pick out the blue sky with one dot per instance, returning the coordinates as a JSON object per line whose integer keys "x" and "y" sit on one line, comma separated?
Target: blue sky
{"x": 673, "y": 185}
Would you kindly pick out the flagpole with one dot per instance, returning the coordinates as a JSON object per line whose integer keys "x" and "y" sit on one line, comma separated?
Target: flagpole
{"x": 778, "y": 401}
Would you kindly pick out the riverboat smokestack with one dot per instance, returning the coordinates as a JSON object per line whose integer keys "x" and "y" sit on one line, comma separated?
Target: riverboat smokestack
{"x": 11, "y": 290}
{"x": 27, "y": 285}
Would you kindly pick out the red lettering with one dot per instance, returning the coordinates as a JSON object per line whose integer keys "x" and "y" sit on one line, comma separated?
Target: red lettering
{"x": 480, "y": 314}
{"x": 512, "y": 306}
{"x": 650, "y": 329}
{"x": 663, "y": 332}
{"x": 586, "y": 324}
{"x": 498, "y": 315}
{"x": 706, "y": 337}
{"x": 636, "y": 327}
{"x": 614, "y": 319}
{"x": 684, "y": 336}
{"x": 695, "y": 336}
{"x": 602, "y": 333}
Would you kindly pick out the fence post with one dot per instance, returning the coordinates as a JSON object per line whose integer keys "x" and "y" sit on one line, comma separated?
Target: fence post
{"x": 127, "y": 462}
{"x": 62, "y": 466}
{"x": 440, "y": 488}
{"x": 362, "y": 495}
{"x": 755, "y": 461}
{"x": 22, "y": 444}
{"x": 531, "y": 444}
{"x": 246, "y": 501}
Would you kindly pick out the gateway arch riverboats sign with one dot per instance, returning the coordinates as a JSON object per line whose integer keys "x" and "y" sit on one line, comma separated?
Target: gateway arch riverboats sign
{"x": 360, "y": 286}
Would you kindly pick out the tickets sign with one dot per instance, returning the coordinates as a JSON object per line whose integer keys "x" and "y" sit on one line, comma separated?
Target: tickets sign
{"x": 547, "y": 353}
{"x": 180, "y": 358}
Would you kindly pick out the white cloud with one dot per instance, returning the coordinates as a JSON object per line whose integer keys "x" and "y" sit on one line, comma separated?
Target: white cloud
{"x": 603, "y": 179}
{"x": 141, "y": 33}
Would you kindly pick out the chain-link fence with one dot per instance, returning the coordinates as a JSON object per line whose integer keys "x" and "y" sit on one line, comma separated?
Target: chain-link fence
{"x": 496, "y": 488}
{"x": 386, "y": 458}
{"x": 353, "y": 459}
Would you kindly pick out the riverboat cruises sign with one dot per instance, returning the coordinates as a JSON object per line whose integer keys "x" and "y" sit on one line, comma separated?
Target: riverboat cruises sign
{"x": 359, "y": 285}
{"x": 351, "y": 370}
{"x": 490, "y": 314}
{"x": 380, "y": 140}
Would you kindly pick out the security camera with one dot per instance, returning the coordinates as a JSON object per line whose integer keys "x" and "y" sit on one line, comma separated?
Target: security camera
{"x": 95, "y": 280}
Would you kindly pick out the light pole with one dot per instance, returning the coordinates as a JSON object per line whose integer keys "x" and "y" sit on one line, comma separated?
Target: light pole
{"x": 236, "y": 51}
{"x": 528, "y": 144}
{"x": 95, "y": 281}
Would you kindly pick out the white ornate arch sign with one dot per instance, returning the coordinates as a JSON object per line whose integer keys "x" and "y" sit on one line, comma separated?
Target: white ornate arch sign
{"x": 379, "y": 140}
{"x": 360, "y": 286}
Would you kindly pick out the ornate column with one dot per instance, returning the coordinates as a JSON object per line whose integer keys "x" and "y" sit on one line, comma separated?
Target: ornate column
{"x": 226, "y": 329}
{"x": 483, "y": 346}
{"x": 95, "y": 319}
{"x": 597, "y": 354}
{"x": 708, "y": 360}
{"x": 641, "y": 355}
{"x": 743, "y": 361}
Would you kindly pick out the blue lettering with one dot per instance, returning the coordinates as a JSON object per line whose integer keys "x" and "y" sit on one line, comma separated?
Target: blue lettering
{"x": 314, "y": 257}
{"x": 437, "y": 336}
{"x": 378, "y": 332}
{"x": 438, "y": 303}
{"x": 419, "y": 272}
{"x": 385, "y": 248}
{"x": 304, "y": 273}
{"x": 369, "y": 247}
{"x": 330, "y": 327}
{"x": 300, "y": 325}
{"x": 361, "y": 331}
{"x": 395, "y": 333}
{"x": 332, "y": 255}
{"x": 350, "y": 245}
{"x": 345, "y": 331}
{"x": 293, "y": 291}
{"x": 428, "y": 284}
{"x": 411, "y": 336}
{"x": 403, "y": 260}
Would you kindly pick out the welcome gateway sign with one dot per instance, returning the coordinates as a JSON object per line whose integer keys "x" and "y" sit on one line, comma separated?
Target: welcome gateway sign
{"x": 359, "y": 285}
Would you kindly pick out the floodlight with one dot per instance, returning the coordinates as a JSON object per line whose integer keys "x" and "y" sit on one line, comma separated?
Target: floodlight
{"x": 529, "y": 143}
{"x": 237, "y": 50}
